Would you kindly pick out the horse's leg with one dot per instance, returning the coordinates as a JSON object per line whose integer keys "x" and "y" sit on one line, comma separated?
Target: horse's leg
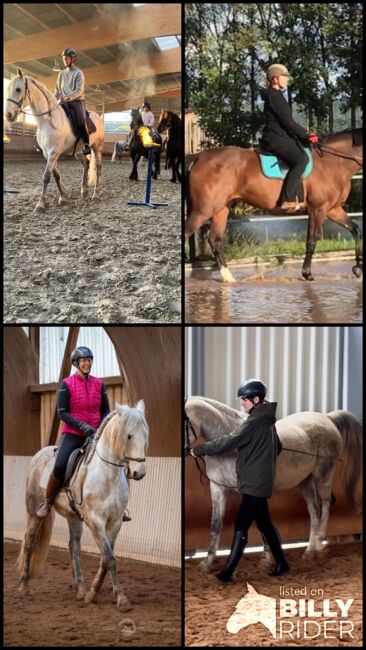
{"x": 156, "y": 165}
{"x": 108, "y": 563}
{"x": 341, "y": 217}
{"x": 177, "y": 163}
{"x": 174, "y": 177}
{"x": 42, "y": 203}
{"x": 316, "y": 218}
{"x": 308, "y": 491}
{"x": 76, "y": 529}
{"x": 34, "y": 524}
{"x": 84, "y": 186}
{"x": 218, "y": 499}
{"x": 57, "y": 176}
{"x": 323, "y": 481}
{"x": 216, "y": 238}
{"x": 135, "y": 160}
{"x": 98, "y": 161}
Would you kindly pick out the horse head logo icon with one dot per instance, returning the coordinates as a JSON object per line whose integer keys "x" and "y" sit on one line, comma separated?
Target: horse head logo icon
{"x": 251, "y": 609}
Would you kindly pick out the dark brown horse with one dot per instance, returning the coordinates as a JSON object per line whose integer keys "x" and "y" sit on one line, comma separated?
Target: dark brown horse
{"x": 172, "y": 122}
{"x": 137, "y": 148}
{"x": 219, "y": 177}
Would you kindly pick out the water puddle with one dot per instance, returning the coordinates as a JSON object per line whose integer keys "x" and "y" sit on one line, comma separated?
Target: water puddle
{"x": 278, "y": 295}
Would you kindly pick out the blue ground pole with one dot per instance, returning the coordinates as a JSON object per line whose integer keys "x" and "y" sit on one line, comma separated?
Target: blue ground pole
{"x": 148, "y": 186}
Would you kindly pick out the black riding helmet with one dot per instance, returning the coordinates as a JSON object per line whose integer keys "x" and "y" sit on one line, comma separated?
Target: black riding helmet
{"x": 80, "y": 353}
{"x": 252, "y": 388}
{"x": 69, "y": 51}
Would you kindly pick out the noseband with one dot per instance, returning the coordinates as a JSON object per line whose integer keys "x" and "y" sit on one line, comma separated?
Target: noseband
{"x": 27, "y": 92}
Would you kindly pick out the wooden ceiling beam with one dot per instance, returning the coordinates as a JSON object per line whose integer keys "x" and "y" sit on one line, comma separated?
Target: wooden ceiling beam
{"x": 30, "y": 15}
{"x": 135, "y": 23}
{"x": 130, "y": 68}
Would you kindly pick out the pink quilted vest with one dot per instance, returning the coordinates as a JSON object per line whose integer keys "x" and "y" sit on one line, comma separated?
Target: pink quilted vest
{"x": 85, "y": 401}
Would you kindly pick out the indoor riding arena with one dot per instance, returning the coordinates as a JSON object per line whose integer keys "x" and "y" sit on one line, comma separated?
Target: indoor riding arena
{"x": 93, "y": 261}
{"x": 217, "y": 360}
{"x": 134, "y": 363}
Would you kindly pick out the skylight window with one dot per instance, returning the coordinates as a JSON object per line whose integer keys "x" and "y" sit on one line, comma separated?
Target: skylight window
{"x": 167, "y": 42}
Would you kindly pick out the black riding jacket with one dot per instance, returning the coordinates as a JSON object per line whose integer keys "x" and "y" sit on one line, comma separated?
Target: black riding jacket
{"x": 279, "y": 121}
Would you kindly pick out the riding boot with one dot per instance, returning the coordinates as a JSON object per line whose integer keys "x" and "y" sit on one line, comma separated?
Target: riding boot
{"x": 53, "y": 487}
{"x": 237, "y": 549}
{"x": 274, "y": 543}
{"x": 85, "y": 138}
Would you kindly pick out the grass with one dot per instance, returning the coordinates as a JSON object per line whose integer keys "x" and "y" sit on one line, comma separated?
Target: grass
{"x": 239, "y": 247}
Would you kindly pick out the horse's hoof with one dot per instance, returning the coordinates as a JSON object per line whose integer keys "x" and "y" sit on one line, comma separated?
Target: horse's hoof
{"x": 357, "y": 270}
{"x": 307, "y": 276}
{"x": 124, "y": 605}
{"x": 40, "y": 208}
{"x": 62, "y": 202}
{"x": 204, "y": 566}
{"x": 173, "y": 180}
{"x": 91, "y": 597}
{"x": 81, "y": 593}
{"x": 226, "y": 274}
{"x": 95, "y": 197}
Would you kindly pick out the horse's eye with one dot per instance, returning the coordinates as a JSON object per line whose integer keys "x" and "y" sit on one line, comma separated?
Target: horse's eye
{"x": 129, "y": 437}
{"x": 18, "y": 90}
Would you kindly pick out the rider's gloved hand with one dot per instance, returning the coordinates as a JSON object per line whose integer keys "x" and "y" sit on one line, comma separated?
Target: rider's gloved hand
{"x": 87, "y": 429}
{"x": 191, "y": 452}
{"x": 313, "y": 137}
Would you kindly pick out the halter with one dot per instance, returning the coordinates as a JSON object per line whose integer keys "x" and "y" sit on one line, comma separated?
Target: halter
{"x": 27, "y": 92}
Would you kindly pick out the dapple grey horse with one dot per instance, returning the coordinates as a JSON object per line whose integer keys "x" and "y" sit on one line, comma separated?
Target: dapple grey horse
{"x": 321, "y": 439}
{"x": 101, "y": 490}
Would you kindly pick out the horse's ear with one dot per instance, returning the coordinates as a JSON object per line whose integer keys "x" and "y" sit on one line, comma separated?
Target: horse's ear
{"x": 19, "y": 73}
{"x": 141, "y": 405}
{"x": 251, "y": 589}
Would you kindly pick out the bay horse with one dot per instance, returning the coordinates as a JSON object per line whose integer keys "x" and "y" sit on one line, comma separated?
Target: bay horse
{"x": 312, "y": 443}
{"x": 55, "y": 135}
{"x": 172, "y": 122}
{"x": 218, "y": 177}
{"x": 100, "y": 490}
{"x": 137, "y": 148}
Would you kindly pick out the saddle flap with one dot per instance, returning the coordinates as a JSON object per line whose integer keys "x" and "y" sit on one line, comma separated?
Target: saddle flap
{"x": 274, "y": 167}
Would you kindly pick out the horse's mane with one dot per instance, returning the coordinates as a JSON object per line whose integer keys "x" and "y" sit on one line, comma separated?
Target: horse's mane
{"x": 130, "y": 414}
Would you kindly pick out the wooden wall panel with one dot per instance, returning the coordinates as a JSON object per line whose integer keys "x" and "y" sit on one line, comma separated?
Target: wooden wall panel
{"x": 21, "y": 411}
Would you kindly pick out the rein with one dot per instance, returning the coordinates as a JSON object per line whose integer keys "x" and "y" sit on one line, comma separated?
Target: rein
{"x": 321, "y": 148}
{"x": 124, "y": 461}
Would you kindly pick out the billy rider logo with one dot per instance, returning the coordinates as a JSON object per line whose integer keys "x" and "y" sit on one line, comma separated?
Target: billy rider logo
{"x": 312, "y": 616}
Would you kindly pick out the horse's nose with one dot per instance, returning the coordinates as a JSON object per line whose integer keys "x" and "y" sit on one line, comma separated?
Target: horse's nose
{"x": 136, "y": 476}
{"x": 8, "y": 115}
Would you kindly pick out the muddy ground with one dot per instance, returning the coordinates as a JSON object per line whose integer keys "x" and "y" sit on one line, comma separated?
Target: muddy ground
{"x": 209, "y": 604}
{"x": 87, "y": 262}
{"x": 51, "y": 616}
{"x": 275, "y": 295}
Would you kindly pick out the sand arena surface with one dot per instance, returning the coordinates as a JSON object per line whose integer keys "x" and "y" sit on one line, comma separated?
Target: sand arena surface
{"x": 209, "y": 604}
{"x": 51, "y": 616}
{"x": 102, "y": 262}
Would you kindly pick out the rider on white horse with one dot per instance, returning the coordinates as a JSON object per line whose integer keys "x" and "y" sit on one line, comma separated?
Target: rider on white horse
{"x": 82, "y": 404}
{"x": 70, "y": 88}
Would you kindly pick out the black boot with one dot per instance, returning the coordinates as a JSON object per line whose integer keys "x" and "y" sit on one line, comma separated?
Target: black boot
{"x": 237, "y": 549}
{"x": 85, "y": 138}
{"x": 274, "y": 543}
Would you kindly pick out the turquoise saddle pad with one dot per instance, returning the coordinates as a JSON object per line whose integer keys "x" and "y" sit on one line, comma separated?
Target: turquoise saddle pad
{"x": 273, "y": 167}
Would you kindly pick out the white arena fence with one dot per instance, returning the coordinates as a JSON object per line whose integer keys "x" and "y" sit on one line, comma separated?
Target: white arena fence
{"x": 153, "y": 535}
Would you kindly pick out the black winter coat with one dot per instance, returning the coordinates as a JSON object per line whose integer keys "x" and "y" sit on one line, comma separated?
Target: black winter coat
{"x": 258, "y": 446}
{"x": 279, "y": 121}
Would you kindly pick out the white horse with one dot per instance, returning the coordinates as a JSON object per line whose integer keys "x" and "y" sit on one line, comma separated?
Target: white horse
{"x": 316, "y": 442}
{"x": 101, "y": 487}
{"x": 54, "y": 134}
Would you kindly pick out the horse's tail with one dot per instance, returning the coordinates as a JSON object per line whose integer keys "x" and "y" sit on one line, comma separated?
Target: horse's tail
{"x": 351, "y": 430}
{"x": 40, "y": 548}
{"x": 92, "y": 174}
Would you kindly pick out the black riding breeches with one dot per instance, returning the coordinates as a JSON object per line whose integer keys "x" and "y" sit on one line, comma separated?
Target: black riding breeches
{"x": 69, "y": 442}
{"x": 77, "y": 108}
{"x": 289, "y": 151}
{"x": 255, "y": 509}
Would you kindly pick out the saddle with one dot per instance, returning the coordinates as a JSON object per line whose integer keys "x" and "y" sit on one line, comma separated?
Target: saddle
{"x": 70, "y": 115}
{"x": 75, "y": 460}
{"x": 274, "y": 167}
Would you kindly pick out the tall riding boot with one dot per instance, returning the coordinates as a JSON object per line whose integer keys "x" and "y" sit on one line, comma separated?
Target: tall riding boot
{"x": 237, "y": 549}
{"x": 53, "y": 487}
{"x": 274, "y": 543}
{"x": 85, "y": 138}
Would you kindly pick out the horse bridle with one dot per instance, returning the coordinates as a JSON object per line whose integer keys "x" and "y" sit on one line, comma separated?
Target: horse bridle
{"x": 27, "y": 92}
{"x": 124, "y": 461}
